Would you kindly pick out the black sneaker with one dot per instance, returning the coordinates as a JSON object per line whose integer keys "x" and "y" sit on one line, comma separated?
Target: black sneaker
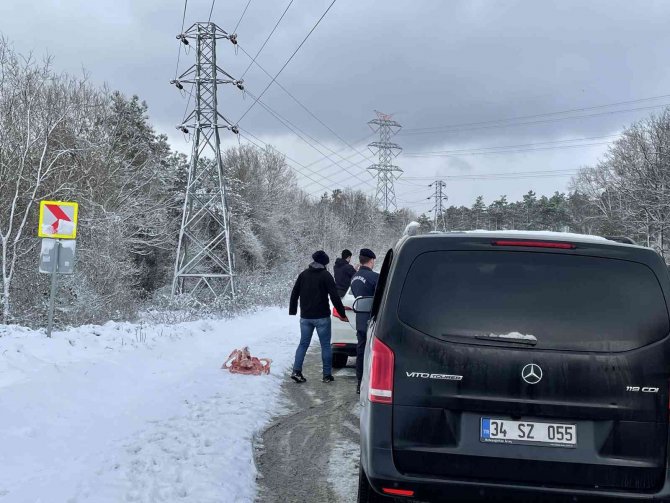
{"x": 328, "y": 378}
{"x": 298, "y": 377}
{"x": 358, "y": 388}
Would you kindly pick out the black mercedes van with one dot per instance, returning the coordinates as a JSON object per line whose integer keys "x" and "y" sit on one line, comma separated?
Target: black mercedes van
{"x": 517, "y": 366}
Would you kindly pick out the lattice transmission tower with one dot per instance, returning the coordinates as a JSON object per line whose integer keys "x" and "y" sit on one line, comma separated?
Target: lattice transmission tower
{"x": 386, "y": 151}
{"x": 205, "y": 265}
{"x": 439, "y": 221}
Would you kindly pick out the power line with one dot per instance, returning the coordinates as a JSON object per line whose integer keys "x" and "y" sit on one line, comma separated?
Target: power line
{"x": 355, "y": 142}
{"x": 534, "y": 116}
{"x": 413, "y": 193}
{"x": 358, "y": 163}
{"x": 545, "y": 121}
{"x": 420, "y": 201}
{"x": 317, "y": 161}
{"x": 211, "y": 10}
{"x": 301, "y": 134}
{"x": 404, "y": 181}
{"x": 474, "y": 149}
{"x": 353, "y": 187}
{"x": 304, "y": 107}
{"x": 296, "y": 169}
{"x": 311, "y": 171}
{"x": 188, "y": 102}
{"x": 265, "y": 145}
{"x": 183, "y": 21}
{"x": 241, "y": 17}
{"x": 347, "y": 157}
{"x": 556, "y": 147}
{"x": 510, "y": 174}
{"x": 253, "y": 60}
{"x": 287, "y": 61}
{"x": 486, "y": 174}
{"x": 514, "y": 177}
{"x": 181, "y": 43}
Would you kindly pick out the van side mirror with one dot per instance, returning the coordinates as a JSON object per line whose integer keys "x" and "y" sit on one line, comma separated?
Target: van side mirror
{"x": 362, "y": 305}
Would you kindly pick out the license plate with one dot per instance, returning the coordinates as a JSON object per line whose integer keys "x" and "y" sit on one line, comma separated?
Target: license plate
{"x": 503, "y": 431}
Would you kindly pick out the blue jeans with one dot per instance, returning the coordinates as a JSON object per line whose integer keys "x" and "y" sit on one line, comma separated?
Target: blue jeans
{"x": 307, "y": 327}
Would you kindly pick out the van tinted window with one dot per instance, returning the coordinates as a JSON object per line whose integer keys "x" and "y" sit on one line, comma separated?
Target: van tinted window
{"x": 566, "y": 302}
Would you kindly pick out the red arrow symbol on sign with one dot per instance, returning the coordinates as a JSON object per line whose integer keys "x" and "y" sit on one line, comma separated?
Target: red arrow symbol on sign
{"x": 59, "y": 214}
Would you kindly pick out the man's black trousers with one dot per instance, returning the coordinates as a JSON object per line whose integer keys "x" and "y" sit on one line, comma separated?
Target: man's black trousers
{"x": 362, "y": 337}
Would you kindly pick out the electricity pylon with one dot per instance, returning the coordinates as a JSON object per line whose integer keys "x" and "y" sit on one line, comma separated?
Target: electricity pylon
{"x": 205, "y": 264}
{"x": 387, "y": 172}
{"x": 439, "y": 222}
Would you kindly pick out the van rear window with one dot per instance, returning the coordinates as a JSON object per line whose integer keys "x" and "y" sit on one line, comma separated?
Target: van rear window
{"x": 566, "y": 302}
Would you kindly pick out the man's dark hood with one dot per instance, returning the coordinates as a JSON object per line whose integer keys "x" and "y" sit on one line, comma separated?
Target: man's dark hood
{"x": 340, "y": 262}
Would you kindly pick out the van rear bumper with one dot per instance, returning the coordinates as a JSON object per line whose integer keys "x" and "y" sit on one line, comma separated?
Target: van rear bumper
{"x": 378, "y": 464}
{"x": 381, "y": 472}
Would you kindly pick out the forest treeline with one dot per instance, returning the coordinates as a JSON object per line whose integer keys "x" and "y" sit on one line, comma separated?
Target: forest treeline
{"x": 63, "y": 138}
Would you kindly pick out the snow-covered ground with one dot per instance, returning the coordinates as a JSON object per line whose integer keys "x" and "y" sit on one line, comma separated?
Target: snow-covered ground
{"x": 136, "y": 413}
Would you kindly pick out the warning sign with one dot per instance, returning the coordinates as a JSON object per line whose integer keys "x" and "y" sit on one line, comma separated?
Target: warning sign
{"x": 58, "y": 219}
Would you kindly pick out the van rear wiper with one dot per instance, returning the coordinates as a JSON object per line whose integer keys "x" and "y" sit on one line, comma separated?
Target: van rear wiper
{"x": 511, "y": 338}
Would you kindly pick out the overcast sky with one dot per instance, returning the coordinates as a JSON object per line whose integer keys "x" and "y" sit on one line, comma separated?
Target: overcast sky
{"x": 451, "y": 72}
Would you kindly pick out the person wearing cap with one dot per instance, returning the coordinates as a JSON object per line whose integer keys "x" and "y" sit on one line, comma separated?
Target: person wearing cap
{"x": 313, "y": 287}
{"x": 363, "y": 284}
{"x": 343, "y": 272}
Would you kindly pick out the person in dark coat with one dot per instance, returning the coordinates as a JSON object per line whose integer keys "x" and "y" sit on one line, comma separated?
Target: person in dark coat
{"x": 363, "y": 284}
{"x": 313, "y": 287}
{"x": 343, "y": 272}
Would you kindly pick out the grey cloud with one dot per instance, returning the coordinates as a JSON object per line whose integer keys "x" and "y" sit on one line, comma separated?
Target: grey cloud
{"x": 433, "y": 62}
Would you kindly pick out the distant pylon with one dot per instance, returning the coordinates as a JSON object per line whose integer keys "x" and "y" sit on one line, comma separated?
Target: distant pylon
{"x": 205, "y": 266}
{"x": 439, "y": 222}
{"x": 387, "y": 172}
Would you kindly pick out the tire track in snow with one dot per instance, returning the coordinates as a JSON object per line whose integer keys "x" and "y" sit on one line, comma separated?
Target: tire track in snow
{"x": 310, "y": 453}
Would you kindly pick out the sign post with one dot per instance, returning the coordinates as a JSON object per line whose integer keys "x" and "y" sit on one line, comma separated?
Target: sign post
{"x": 52, "y": 295}
{"x": 58, "y": 220}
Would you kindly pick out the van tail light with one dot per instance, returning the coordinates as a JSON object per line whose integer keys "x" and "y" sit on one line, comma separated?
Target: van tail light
{"x": 534, "y": 244}
{"x": 381, "y": 373}
{"x": 397, "y": 492}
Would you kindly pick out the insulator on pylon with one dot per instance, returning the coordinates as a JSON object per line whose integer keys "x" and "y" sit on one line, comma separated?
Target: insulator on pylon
{"x": 182, "y": 129}
{"x": 177, "y": 84}
{"x": 233, "y": 38}
{"x": 183, "y": 39}
{"x": 240, "y": 84}
{"x": 235, "y": 129}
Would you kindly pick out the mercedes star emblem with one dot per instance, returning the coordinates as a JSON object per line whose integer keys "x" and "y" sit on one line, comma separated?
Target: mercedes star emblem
{"x": 531, "y": 373}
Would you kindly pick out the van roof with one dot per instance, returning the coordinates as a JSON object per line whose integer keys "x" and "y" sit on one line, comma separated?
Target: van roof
{"x": 543, "y": 235}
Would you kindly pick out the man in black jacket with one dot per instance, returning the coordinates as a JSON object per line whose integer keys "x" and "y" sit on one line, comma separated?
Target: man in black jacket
{"x": 313, "y": 287}
{"x": 343, "y": 272}
{"x": 363, "y": 284}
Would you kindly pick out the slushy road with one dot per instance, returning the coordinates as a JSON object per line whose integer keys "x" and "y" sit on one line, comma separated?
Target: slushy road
{"x": 309, "y": 453}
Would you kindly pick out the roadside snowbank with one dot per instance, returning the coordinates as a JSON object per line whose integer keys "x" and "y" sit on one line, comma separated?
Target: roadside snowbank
{"x": 142, "y": 413}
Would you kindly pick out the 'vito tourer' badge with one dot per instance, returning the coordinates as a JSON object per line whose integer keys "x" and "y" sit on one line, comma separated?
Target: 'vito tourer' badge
{"x": 531, "y": 373}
